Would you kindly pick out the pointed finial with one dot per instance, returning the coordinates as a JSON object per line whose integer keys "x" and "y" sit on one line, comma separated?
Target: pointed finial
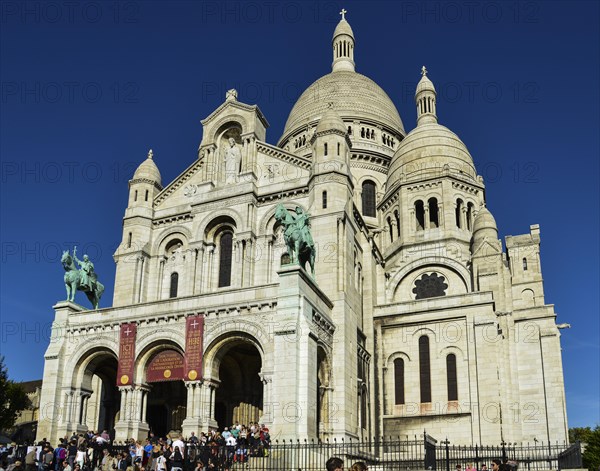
{"x": 423, "y": 71}
{"x": 150, "y": 154}
{"x": 343, "y": 13}
{"x": 231, "y": 95}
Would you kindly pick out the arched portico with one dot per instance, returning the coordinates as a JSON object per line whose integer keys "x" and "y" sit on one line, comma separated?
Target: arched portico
{"x": 233, "y": 374}
{"x": 92, "y": 400}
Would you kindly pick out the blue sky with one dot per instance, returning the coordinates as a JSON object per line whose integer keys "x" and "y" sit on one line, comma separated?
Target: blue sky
{"x": 88, "y": 88}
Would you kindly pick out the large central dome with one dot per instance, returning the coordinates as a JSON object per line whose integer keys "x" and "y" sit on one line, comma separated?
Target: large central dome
{"x": 352, "y": 95}
{"x": 364, "y": 107}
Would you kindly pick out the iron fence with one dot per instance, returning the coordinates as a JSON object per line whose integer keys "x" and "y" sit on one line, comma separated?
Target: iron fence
{"x": 386, "y": 454}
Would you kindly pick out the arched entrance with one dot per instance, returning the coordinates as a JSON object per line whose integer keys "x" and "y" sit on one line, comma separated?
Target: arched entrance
{"x": 167, "y": 398}
{"x": 239, "y": 397}
{"x": 100, "y": 398}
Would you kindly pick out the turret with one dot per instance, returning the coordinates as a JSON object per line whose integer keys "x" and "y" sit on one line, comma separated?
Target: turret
{"x": 137, "y": 229}
{"x": 330, "y": 172}
{"x": 343, "y": 46}
{"x": 425, "y": 97}
{"x": 145, "y": 184}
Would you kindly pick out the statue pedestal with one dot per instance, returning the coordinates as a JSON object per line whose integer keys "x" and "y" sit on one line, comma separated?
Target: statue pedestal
{"x": 296, "y": 336}
{"x": 58, "y": 417}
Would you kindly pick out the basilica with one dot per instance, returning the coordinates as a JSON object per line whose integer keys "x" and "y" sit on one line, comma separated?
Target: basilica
{"x": 417, "y": 316}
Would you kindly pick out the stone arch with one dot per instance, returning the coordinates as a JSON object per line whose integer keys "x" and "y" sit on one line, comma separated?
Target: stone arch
{"x": 447, "y": 350}
{"x": 93, "y": 399}
{"x": 214, "y": 219}
{"x": 219, "y": 346}
{"x": 390, "y": 359}
{"x": 528, "y": 297}
{"x": 152, "y": 345}
{"x": 235, "y": 362}
{"x": 425, "y": 331}
{"x": 82, "y": 360}
{"x": 169, "y": 234}
{"x": 434, "y": 261}
{"x": 227, "y": 122}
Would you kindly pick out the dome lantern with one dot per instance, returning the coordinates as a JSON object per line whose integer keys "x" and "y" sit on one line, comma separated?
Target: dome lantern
{"x": 343, "y": 46}
{"x": 425, "y": 96}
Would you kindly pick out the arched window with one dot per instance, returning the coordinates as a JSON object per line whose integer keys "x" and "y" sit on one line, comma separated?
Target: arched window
{"x": 226, "y": 252}
{"x": 420, "y": 215}
{"x": 174, "y": 285}
{"x": 135, "y": 196}
{"x": 129, "y": 240}
{"x": 362, "y": 397}
{"x": 424, "y": 369}
{"x": 524, "y": 264}
{"x": 470, "y": 216}
{"x": 397, "y": 216}
{"x": 398, "y": 381}
{"x": 325, "y": 147}
{"x": 338, "y": 149}
{"x": 368, "y": 199}
{"x": 324, "y": 200}
{"x": 433, "y": 213}
{"x": 350, "y": 130}
{"x": 451, "y": 377}
{"x": 391, "y": 228}
{"x": 146, "y": 197}
{"x": 458, "y": 212}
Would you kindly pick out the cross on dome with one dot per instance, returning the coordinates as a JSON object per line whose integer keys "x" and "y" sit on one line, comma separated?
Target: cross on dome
{"x": 150, "y": 154}
{"x": 423, "y": 71}
{"x": 343, "y": 13}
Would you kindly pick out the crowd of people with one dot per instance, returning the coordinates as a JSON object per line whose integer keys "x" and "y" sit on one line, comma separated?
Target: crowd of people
{"x": 214, "y": 450}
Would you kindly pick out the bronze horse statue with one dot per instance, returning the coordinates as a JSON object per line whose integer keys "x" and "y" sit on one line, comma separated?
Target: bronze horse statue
{"x": 74, "y": 281}
{"x": 297, "y": 236}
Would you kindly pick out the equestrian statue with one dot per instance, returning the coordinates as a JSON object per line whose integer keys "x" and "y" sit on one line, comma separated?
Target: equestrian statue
{"x": 83, "y": 279}
{"x": 297, "y": 236}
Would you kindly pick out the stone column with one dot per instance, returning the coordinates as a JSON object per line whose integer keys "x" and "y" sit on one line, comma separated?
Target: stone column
{"x": 161, "y": 270}
{"x": 207, "y": 282}
{"x": 463, "y": 218}
{"x": 207, "y": 403}
{"x": 426, "y": 216}
{"x": 137, "y": 417}
{"x": 197, "y": 287}
{"x": 123, "y": 429}
{"x": 193, "y": 421}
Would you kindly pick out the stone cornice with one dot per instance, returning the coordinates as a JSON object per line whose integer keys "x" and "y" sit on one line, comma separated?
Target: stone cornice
{"x": 283, "y": 155}
{"x": 175, "y": 218}
{"x": 282, "y": 195}
{"x": 239, "y": 106}
{"x": 155, "y": 184}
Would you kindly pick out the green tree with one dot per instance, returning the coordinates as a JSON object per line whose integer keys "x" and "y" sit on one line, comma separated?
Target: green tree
{"x": 13, "y": 398}
{"x": 591, "y": 439}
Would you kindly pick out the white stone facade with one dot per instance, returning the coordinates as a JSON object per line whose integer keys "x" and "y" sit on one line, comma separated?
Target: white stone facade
{"x": 416, "y": 319}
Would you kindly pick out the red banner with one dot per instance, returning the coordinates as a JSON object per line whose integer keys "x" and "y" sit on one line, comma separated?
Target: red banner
{"x": 126, "y": 354}
{"x": 194, "y": 334}
{"x": 166, "y": 366}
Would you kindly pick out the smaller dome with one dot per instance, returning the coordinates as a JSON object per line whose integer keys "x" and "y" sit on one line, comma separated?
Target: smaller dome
{"x": 484, "y": 220}
{"x": 343, "y": 27}
{"x": 148, "y": 170}
{"x": 430, "y": 150}
{"x": 329, "y": 121}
